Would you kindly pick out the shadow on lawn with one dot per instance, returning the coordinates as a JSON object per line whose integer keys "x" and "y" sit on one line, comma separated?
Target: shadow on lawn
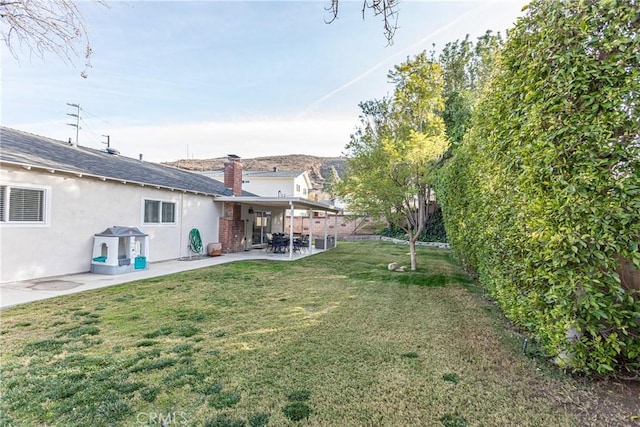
{"x": 418, "y": 278}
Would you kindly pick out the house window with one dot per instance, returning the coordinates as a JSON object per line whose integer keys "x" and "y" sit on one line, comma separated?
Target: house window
{"x": 168, "y": 212}
{"x": 298, "y": 188}
{"x": 21, "y": 205}
{"x": 158, "y": 212}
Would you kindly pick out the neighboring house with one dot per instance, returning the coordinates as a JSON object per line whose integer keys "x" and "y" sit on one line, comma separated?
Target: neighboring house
{"x": 280, "y": 183}
{"x": 55, "y": 197}
{"x": 274, "y": 183}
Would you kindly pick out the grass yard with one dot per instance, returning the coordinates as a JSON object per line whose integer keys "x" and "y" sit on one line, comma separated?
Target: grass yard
{"x": 330, "y": 340}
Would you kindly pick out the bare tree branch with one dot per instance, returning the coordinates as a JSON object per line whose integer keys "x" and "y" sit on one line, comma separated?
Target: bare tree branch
{"x": 333, "y": 8}
{"x": 43, "y": 26}
{"x": 387, "y": 8}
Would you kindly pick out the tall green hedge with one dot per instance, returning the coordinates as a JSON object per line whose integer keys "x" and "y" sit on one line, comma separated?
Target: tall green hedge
{"x": 542, "y": 199}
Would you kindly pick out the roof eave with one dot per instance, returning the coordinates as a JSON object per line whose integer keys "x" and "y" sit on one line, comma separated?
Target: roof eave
{"x": 285, "y": 202}
{"x": 81, "y": 174}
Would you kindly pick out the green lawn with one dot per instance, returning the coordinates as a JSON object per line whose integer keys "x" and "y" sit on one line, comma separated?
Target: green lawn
{"x": 330, "y": 340}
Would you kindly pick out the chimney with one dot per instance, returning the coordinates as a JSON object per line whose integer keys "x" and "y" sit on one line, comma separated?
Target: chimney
{"x": 140, "y": 156}
{"x": 233, "y": 174}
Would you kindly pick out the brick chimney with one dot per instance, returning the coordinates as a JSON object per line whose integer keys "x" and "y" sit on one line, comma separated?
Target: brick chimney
{"x": 233, "y": 174}
{"x": 231, "y": 231}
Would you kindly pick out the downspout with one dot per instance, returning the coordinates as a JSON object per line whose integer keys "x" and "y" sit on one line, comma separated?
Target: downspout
{"x": 181, "y": 222}
{"x": 291, "y": 231}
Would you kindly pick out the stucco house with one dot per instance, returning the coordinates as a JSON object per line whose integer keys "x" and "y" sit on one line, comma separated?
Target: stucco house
{"x": 55, "y": 198}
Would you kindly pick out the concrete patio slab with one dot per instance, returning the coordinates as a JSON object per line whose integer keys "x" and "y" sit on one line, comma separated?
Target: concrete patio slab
{"x": 16, "y": 293}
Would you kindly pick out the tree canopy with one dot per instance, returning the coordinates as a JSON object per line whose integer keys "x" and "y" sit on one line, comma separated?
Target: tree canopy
{"x": 467, "y": 68}
{"x": 392, "y": 156}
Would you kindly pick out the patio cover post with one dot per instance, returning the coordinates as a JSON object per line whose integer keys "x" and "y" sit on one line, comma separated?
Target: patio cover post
{"x": 325, "y": 230}
{"x": 310, "y": 248}
{"x": 335, "y": 229}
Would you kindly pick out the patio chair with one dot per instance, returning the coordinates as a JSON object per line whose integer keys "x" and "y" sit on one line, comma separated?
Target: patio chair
{"x": 280, "y": 244}
{"x": 269, "y": 241}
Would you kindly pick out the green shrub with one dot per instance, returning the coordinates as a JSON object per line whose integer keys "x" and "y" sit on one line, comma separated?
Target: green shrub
{"x": 542, "y": 199}
{"x": 434, "y": 231}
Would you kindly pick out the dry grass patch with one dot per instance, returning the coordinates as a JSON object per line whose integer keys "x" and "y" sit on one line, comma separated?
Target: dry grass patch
{"x": 330, "y": 340}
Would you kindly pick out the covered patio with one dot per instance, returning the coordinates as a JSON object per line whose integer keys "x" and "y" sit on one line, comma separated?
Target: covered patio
{"x": 267, "y": 215}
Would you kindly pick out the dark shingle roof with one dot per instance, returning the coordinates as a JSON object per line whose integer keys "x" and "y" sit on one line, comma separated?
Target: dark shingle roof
{"x": 26, "y": 149}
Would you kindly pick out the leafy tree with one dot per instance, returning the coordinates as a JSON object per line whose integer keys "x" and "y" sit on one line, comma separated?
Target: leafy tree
{"x": 332, "y": 181}
{"x": 392, "y": 156}
{"x": 542, "y": 199}
{"x": 467, "y": 67}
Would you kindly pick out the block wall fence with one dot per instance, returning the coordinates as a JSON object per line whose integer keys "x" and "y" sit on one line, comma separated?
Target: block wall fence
{"x": 344, "y": 226}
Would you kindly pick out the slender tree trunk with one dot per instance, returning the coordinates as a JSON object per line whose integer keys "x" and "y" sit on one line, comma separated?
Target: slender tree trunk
{"x": 427, "y": 204}
{"x": 412, "y": 252}
{"x": 414, "y": 233}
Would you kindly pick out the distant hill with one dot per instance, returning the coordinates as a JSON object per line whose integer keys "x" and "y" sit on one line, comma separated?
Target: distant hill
{"x": 318, "y": 168}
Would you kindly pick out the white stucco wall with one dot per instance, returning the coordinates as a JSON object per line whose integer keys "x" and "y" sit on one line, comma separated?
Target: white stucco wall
{"x": 268, "y": 187}
{"x": 80, "y": 207}
{"x": 303, "y": 183}
{"x": 202, "y": 213}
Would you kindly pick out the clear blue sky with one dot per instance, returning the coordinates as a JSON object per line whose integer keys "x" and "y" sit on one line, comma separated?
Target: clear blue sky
{"x": 208, "y": 78}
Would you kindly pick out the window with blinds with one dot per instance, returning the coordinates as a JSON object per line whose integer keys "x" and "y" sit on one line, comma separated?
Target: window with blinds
{"x": 151, "y": 211}
{"x": 158, "y": 212}
{"x": 168, "y": 212}
{"x": 19, "y": 204}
